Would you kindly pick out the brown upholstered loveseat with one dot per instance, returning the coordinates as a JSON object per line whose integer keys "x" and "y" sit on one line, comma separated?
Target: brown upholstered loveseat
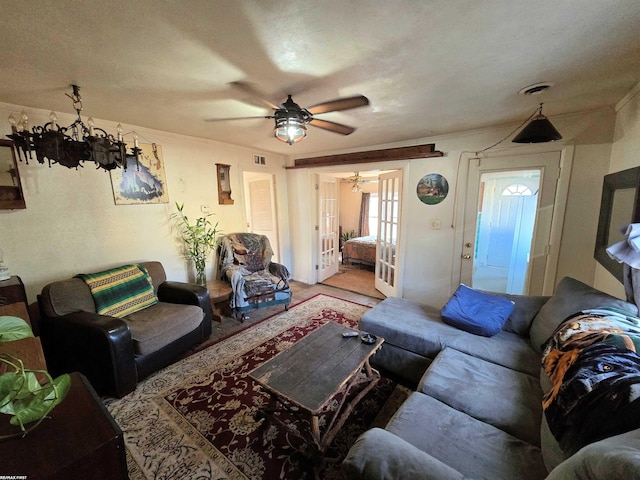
{"x": 116, "y": 353}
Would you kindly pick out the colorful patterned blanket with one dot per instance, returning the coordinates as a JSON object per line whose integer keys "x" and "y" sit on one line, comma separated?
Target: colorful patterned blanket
{"x": 245, "y": 261}
{"x": 593, "y": 363}
{"x": 121, "y": 291}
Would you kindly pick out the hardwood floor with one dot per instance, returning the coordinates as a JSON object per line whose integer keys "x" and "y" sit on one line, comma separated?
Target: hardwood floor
{"x": 301, "y": 292}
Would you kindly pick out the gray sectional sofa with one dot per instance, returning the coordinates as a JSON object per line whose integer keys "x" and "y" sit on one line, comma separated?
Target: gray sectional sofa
{"x": 476, "y": 411}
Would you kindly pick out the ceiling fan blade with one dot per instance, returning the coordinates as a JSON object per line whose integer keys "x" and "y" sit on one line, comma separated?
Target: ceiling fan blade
{"x": 250, "y": 89}
{"x": 339, "y": 104}
{"x": 332, "y": 126}
{"x": 234, "y": 118}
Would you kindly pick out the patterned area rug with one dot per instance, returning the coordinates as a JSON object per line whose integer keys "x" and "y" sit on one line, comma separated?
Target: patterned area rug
{"x": 196, "y": 419}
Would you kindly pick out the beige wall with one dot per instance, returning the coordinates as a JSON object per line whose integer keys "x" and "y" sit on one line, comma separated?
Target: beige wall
{"x": 350, "y": 204}
{"x": 431, "y": 262}
{"x": 625, "y": 153}
{"x": 71, "y": 224}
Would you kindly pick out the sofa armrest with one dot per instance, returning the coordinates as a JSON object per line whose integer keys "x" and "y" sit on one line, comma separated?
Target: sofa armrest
{"x": 98, "y": 346}
{"x": 379, "y": 454}
{"x": 188, "y": 294}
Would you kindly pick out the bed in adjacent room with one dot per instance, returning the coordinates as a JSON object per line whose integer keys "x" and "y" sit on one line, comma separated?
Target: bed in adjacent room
{"x": 360, "y": 250}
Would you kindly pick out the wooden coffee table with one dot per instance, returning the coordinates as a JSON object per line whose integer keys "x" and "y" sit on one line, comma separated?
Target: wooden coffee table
{"x": 311, "y": 372}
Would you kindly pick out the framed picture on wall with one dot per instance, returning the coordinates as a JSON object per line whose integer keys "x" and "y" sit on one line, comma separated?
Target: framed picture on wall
{"x": 143, "y": 181}
{"x": 432, "y": 189}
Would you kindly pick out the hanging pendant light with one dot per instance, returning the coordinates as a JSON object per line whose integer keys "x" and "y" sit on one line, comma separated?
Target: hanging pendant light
{"x": 539, "y": 130}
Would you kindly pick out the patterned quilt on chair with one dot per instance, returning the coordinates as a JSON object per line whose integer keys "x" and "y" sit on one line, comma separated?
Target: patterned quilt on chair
{"x": 245, "y": 261}
{"x": 593, "y": 363}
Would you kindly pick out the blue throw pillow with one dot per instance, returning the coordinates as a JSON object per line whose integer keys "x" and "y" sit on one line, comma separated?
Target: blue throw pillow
{"x": 476, "y": 312}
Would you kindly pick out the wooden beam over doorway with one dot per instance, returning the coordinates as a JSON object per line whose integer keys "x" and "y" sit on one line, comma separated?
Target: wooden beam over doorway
{"x": 401, "y": 153}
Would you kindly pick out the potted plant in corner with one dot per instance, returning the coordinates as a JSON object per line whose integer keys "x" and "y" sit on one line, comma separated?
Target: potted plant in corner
{"x": 199, "y": 239}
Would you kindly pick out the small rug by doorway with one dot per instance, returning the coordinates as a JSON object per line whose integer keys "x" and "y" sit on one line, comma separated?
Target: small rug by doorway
{"x": 355, "y": 280}
{"x": 196, "y": 419}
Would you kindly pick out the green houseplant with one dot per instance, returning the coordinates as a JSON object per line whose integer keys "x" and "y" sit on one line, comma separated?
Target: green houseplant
{"x": 199, "y": 239}
{"x": 21, "y": 394}
{"x": 346, "y": 236}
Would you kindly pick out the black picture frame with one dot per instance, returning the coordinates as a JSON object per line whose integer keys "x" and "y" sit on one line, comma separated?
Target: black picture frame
{"x": 619, "y": 206}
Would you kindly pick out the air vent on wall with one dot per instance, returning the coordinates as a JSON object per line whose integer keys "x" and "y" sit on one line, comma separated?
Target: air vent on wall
{"x": 259, "y": 160}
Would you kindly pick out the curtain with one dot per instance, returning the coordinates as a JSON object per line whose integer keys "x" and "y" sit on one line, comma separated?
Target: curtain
{"x": 363, "y": 225}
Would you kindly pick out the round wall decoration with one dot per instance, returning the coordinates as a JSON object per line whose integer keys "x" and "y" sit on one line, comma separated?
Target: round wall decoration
{"x": 432, "y": 188}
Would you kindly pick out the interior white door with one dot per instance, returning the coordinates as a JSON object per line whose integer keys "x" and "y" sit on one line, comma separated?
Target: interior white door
{"x": 388, "y": 239}
{"x": 548, "y": 165}
{"x": 261, "y": 211}
{"x": 328, "y": 241}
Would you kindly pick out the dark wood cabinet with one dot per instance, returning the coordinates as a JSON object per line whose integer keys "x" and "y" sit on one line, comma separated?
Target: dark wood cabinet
{"x": 80, "y": 441}
{"x": 12, "y": 291}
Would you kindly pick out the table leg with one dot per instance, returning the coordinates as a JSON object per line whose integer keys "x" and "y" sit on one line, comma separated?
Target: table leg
{"x": 340, "y": 417}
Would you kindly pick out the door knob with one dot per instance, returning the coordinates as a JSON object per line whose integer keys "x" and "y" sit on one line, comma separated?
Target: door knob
{"x": 466, "y": 256}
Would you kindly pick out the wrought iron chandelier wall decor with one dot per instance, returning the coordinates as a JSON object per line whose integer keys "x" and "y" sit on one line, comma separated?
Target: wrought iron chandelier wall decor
{"x": 68, "y": 146}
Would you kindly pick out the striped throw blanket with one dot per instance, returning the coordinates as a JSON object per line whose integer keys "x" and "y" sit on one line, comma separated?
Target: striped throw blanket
{"x": 121, "y": 291}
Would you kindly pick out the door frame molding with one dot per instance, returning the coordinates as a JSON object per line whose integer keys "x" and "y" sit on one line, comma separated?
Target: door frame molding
{"x": 562, "y": 190}
{"x": 406, "y": 192}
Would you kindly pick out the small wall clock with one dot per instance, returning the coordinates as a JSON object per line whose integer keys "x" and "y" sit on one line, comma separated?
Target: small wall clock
{"x": 224, "y": 184}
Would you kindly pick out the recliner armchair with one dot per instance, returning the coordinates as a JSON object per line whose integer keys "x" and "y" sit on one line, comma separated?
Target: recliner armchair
{"x": 116, "y": 353}
{"x": 256, "y": 281}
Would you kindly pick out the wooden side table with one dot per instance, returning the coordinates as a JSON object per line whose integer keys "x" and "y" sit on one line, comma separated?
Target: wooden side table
{"x": 80, "y": 440}
{"x": 219, "y": 292}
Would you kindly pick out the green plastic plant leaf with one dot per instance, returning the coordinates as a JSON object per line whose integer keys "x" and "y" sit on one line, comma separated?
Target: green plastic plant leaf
{"x": 38, "y": 405}
{"x": 8, "y": 383}
{"x": 22, "y": 396}
{"x": 14, "y": 328}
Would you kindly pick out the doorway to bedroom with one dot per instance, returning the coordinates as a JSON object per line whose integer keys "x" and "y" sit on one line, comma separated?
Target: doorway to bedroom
{"x": 356, "y": 212}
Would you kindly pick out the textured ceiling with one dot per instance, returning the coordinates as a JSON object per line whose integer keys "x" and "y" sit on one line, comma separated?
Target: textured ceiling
{"x": 427, "y": 66}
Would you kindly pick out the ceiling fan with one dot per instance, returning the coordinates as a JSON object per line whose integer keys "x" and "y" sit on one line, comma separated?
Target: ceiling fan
{"x": 291, "y": 119}
{"x": 356, "y": 181}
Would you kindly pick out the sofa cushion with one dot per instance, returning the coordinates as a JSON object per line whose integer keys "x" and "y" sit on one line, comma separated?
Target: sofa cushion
{"x": 66, "y": 296}
{"x": 381, "y": 454}
{"x": 120, "y": 291}
{"x": 418, "y": 328}
{"x": 476, "y": 312}
{"x": 615, "y": 458}
{"x": 552, "y": 454}
{"x": 499, "y": 396}
{"x": 475, "y": 449}
{"x": 570, "y": 297}
{"x": 525, "y": 308}
{"x": 160, "y": 324}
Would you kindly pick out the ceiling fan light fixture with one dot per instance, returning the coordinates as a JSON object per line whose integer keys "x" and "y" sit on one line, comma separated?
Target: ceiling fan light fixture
{"x": 539, "y": 130}
{"x": 355, "y": 182}
{"x": 290, "y": 129}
